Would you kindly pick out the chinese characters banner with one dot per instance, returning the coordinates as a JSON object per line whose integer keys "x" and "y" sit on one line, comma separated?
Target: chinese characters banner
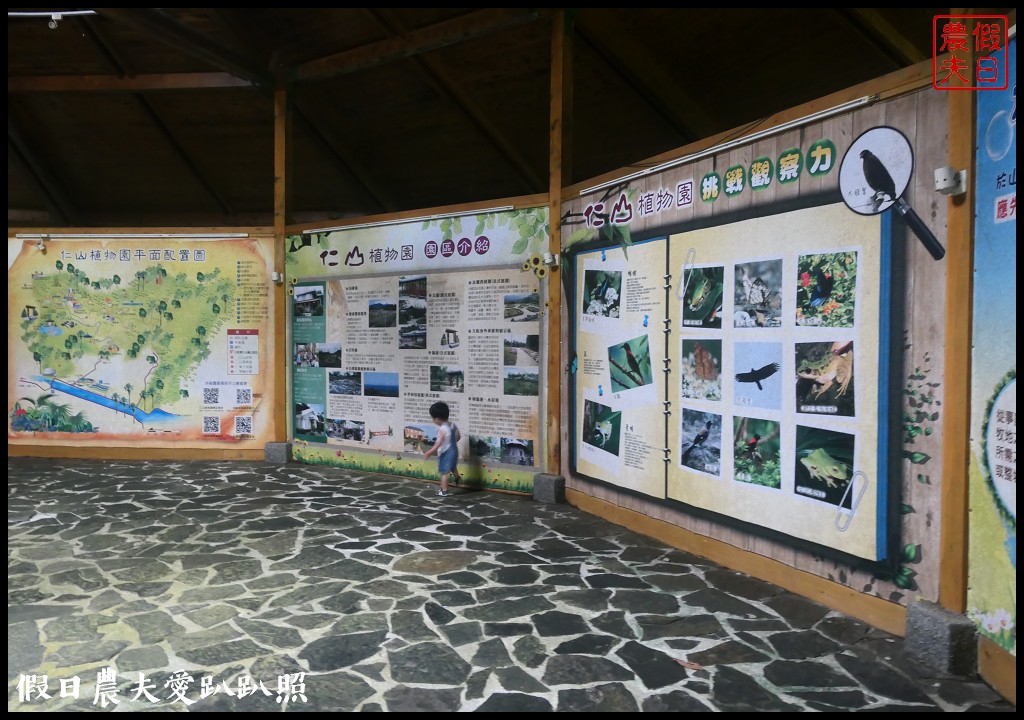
{"x": 126, "y": 341}
{"x": 490, "y": 239}
{"x": 991, "y": 594}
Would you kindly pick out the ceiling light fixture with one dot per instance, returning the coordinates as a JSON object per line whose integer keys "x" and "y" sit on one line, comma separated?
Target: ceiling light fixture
{"x": 730, "y": 144}
{"x": 55, "y": 15}
{"x": 400, "y": 221}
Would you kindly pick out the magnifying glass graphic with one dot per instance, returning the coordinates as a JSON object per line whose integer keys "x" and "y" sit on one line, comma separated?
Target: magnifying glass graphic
{"x": 875, "y": 173}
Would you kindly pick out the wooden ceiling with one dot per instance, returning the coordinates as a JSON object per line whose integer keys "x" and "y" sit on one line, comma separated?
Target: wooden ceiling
{"x": 165, "y": 117}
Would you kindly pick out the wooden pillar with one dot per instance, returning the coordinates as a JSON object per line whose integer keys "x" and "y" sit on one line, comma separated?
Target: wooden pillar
{"x": 282, "y": 138}
{"x": 559, "y": 173}
{"x": 953, "y": 538}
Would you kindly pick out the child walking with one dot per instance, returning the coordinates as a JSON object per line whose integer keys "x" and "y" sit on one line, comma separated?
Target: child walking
{"x": 446, "y": 448}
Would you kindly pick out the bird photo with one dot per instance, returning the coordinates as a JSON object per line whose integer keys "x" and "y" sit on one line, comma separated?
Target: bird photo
{"x": 630, "y": 364}
{"x": 700, "y": 369}
{"x": 601, "y": 292}
{"x": 701, "y": 441}
{"x": 601, "y": 426}
{"x": 758, "y": 381}
{"x": 757, "y": 294}
{"x": 756, "y": 448}
{"x": 757, "y": 375}
{"x": 826, "y": 292}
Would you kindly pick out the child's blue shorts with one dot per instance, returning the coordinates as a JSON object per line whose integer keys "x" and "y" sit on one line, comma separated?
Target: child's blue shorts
{"x": 447, "y": 460}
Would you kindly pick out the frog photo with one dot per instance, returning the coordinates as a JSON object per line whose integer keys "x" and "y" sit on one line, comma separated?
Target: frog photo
{"x": 702, "y": 300}
{"x": 825, "y": 378}
{"x": 824, "y": 464}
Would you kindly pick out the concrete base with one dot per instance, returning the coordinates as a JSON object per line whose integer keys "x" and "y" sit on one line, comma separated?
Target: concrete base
{"x": 941, "y": 639}
{"x": 278, "y": 452}
{"x": 548, "y": 488}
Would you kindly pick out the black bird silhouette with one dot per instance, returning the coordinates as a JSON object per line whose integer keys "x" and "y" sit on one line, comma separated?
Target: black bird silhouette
{"x": 878, "y": 178}
{"x": 756, "y": 376}
{"x": 698, "y": 440}
{"x": 822, "y": 289}
{"x": 634, "y": 364}
{"x": 601, "y": 289}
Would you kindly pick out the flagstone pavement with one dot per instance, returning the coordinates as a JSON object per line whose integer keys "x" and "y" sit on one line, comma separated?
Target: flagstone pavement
{"x": 249, "y": 586}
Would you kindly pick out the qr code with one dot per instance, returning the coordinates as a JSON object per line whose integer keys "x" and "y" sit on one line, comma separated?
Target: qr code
{"x": 243, "y": 425}
{"x": 243, "y": 396}
{"x": 211, "y": 396}
{"x": 211, "y": 424}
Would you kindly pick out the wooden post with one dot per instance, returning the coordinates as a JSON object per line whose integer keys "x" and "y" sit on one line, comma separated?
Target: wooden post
{"x": 953, "y": 538}
{"x": 282, "y": 136}
{"x": 559, "y": 164}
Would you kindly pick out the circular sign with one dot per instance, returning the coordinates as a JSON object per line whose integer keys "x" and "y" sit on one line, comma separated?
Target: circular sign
{"x": 876, "y": 170}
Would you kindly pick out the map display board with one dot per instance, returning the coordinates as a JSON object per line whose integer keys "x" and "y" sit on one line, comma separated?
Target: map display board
{"x": 128, "y": 341}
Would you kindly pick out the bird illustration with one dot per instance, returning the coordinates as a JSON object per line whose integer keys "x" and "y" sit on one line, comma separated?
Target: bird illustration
{"x": 756, "y": 376}
{"x": 755, "y": 289}
{"x": 698, "y": 440}
{"x": 634, "y": 364}
{"x": 823, "y": 287}
{"x": 703, "y": 363}
{"x": 879, "y": 179}
{"x": 602, "y": 288}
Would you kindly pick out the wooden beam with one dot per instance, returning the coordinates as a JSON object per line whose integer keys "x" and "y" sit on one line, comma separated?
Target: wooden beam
{"x": 168, "y": 30}
{"x": 446, "y": 84}
{"x": 450, "y": 32}
{"x": 997, "y": 667}
{"x": 884, "y": 34}
{"x": 649, "y": 77}
{"x": 559, "y": 172}
{"x": 53, "y": 193}
{"x": 111, "y": 83}
{"x": 956, "y": 431}
{"x": 282, "y": 143}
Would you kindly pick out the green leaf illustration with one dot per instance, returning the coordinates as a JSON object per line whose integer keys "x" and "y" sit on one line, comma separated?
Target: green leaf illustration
{"x": 911, "y": 553}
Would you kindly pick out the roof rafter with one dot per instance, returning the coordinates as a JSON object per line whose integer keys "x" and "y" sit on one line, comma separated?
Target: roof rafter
{"x": 168, "y": 30}
{"x": 53, "y": 193}
{"x": 647, "y": 76}
{"x": 236, "y": 23}
{"x": 107, "y": 49}
{"x": 883, "y": 35}
{"x": 450, "y": 32}
{"x": 442, "y": 79}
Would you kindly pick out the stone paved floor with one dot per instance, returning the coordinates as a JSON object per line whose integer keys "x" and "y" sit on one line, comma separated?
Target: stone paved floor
{"x": 391, "y": 599}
